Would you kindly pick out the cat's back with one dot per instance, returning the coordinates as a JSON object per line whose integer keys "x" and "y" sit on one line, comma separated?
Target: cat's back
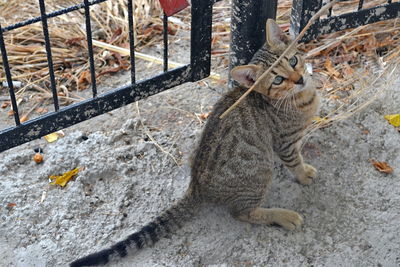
{"x": 234, "y": 144}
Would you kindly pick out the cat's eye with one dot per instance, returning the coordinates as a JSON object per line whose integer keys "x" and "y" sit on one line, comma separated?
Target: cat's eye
{"x": 278, "y": 80}
{"x": 293, "y": 61}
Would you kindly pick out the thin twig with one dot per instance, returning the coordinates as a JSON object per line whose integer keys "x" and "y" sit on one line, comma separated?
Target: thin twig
{"x": 146, "y": 130}
{"x": 289, "y": 48}
{"x": 126, "y": 52}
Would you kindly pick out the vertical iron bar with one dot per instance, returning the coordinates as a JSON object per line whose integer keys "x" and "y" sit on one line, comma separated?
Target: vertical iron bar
{"x": 165, "y": 33}
{"x": 48, "y": 53}
{"x": 360, "y": 4}
{"x": 200, "y": 39}
{"x": 248, "y": 20}
{"x": 302, "y": 11}
{"x": 131, "y": 41}
{"x": 90, "y": 47}
{"x": 9, "y": 77}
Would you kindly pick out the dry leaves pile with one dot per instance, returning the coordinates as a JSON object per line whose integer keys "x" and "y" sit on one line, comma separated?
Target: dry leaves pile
{"x": 26, "y": 48}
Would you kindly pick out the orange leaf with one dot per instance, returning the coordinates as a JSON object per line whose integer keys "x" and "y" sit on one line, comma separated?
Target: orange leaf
{"x": 204, "y": 116}
{"x": 5, "y": 104}
{"x": 330, "y": 68}
{"x": 110, "y": 70}
{"x": 115, "y": 36}
{"x": 382, "y": 166}
{"x": 10, "y": 206}
{"x": 74, "y": 41}
{"x": 41, "y": 110}
{"x": 24, "y": 118}
{"x": 84, "y": 78}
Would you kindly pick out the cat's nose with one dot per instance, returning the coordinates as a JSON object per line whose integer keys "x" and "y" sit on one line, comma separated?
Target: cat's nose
{"x": 300, "y": 81}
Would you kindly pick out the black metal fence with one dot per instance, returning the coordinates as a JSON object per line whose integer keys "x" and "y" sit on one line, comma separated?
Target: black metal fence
{"x": 248, "y": 22}
{"x": 62, "y": 117}
{"x": 303, "y": 10}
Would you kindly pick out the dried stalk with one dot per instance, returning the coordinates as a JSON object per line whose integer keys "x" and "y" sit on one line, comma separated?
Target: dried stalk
{"x": 289, "y": 48}
{"x": 152, "y": 59}
{"x": 147, "y": 132}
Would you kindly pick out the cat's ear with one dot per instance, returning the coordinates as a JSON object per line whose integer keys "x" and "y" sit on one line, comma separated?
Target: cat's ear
{"x": 245, "y": 75}
{"x": 275, "y": 37}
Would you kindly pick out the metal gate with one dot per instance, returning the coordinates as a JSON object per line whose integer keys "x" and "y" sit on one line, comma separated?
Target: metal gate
{"x": 303, "y": 10}
{"x": 62, "y": 117}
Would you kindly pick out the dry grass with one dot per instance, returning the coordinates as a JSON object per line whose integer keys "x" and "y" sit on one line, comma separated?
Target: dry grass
{"x": 26, "y": 48}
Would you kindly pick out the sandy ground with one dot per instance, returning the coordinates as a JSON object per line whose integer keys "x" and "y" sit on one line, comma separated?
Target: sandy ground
{"x": 352, "y": 212}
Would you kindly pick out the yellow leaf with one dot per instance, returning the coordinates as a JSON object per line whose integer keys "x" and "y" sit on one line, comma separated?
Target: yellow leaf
{"x": 393, "y": 119}
{"x": 317, "y": 119}
{"x": 62, "y": 180}
{"x": 53, "y": 136}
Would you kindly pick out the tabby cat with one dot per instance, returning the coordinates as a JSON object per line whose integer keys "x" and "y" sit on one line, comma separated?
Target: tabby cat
{"x": 233, "y": 162}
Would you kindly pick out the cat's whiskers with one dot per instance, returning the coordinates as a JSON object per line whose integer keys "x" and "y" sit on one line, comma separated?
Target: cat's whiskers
{"x": 280, "y": 102}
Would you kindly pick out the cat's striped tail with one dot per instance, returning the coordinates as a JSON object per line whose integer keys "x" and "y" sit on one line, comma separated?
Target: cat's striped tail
{"x": 168, "y": 222}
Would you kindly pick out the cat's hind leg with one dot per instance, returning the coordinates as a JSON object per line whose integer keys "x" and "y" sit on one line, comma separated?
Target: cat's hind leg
{"x": 288, "y": 219}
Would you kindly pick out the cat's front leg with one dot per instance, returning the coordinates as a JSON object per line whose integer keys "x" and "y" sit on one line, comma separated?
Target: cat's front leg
{"x": 293, "y": 160}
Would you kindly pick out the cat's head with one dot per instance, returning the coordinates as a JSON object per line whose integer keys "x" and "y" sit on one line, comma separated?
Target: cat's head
{"x": 286, "y": 78}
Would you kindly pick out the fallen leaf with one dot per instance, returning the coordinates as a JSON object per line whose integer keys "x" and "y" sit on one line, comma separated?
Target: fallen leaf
{"x": 10, "y": 206}
{"x": 74, "y": 41}
{"x": 110, "y": 70}
{"x": 330, "y": 68}
{"x": 10, "y": 112}
{"x": 317, "y": 119}
{"x": 171, "y": 7}
{"x": 24, "y": 118}
{"x": 334, "y": 97}
{"x": 347, "y": 70}
{"x": 51, "y": 137}
{"x": 393, "y": 119}
{"x": 5, "y": 104}
{"x": 123, "y": 63}
{"x": 41, "y": 110}
{"x": 63, "y": 179}
{"x": 204, "y": 116}
{"x": 54, "y": 136}
{"x": 83, "y": 79}
{"x": 116, "y": 35}
{"x": 382, "y": 166}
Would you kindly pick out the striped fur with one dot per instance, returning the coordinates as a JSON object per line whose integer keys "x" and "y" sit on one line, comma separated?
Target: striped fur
{"x": 233, "y": 162}
{"x": 168, "y": 222}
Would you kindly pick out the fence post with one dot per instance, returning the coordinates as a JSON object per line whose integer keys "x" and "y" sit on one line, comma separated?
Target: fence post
{"x": 248, "y": 28}
{"x": 302, "y": 11}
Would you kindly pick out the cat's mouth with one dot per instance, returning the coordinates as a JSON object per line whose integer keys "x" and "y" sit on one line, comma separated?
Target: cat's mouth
{"x": 306, "y": 84}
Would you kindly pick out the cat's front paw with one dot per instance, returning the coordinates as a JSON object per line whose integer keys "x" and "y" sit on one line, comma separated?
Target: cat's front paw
{"x": 288, "y": 219}
{"x": 310, "y": 173}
